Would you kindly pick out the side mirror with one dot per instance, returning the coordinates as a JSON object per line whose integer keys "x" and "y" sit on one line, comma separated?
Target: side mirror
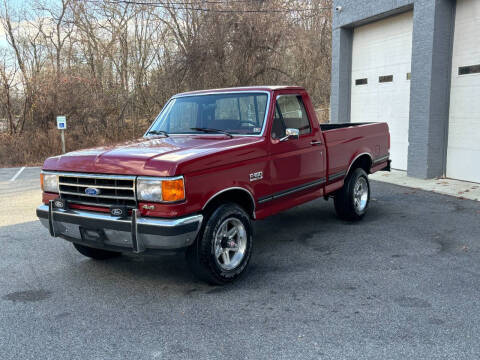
{"x": 291, "y": 133}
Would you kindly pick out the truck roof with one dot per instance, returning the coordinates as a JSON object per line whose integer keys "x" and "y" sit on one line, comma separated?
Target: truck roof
{"x": 244, "y": 88}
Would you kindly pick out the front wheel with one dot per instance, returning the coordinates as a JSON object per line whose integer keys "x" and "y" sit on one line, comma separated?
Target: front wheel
{"x": 223, "y": 248}
{"x": 351, "y": 201}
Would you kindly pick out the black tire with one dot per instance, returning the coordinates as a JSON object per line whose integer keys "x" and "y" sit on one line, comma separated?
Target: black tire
{"x": 344, "y": 199}
{"x": 97, "y": 254}
{"x": 201, "y": 255}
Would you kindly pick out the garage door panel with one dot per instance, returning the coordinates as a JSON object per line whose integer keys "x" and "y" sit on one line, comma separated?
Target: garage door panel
{"x": 379, "y": 49}
{"x": 464, "y": 97}
{"x": 465, "y": 133}
{"x": 459, "y": 164}
{"x": 463, "y": 152}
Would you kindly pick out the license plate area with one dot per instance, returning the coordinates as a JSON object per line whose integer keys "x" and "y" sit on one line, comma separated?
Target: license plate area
{"x": 92, "y": 235}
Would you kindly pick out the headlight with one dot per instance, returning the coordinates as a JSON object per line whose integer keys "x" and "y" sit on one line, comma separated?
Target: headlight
{"x": 49, "y": 182}
{"x": 160, "y": 190}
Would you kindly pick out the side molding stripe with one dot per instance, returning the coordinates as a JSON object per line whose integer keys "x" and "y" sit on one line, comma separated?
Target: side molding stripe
{"x": 281, "y": 194}
{"x": 336, "y": 175}
{"x": 381, "y": 159}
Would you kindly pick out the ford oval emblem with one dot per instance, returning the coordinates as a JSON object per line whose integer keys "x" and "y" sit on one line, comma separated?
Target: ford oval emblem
{"x": 116, "y": 212}
{"x": 92, "y": 191}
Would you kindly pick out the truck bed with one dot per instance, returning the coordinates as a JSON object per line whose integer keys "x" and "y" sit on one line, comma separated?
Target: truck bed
{"x": 346, "y": 141}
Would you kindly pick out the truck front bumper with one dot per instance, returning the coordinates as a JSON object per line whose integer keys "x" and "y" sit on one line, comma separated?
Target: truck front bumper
{"x": 131, "y": 234}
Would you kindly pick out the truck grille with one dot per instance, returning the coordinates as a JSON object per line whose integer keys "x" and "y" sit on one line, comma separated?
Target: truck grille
{"x": 112, "y": 189}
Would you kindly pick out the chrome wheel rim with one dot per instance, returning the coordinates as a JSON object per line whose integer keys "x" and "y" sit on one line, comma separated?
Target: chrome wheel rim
{"x": 360, "y": 194}
{"x": 230, "y": 244}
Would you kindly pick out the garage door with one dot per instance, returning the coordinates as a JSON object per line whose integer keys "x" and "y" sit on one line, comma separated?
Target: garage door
{"x": 463, "y": 152}
{"x": 381, "y": 59}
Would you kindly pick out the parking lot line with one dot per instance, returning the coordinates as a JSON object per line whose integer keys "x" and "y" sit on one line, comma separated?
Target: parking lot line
{"x": 17, "y": 174}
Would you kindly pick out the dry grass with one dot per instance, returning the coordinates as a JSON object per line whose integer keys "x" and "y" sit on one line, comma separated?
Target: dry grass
{"x": 33, "y": 148}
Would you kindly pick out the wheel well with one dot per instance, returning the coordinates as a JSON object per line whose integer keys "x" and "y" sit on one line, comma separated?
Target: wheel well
{"x": 237, "y": 196}
{"x": 364, "y": 162}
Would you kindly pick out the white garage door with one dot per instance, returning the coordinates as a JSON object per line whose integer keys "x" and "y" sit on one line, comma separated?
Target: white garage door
{"x": 463, "y": 153}
{"x": 381, "y": 59}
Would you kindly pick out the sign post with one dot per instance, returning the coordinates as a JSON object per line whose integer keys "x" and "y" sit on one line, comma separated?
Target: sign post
{"x": 62, "y": 125}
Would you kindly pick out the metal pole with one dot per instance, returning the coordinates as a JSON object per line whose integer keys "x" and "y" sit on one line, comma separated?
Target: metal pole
{"x": 63, "y": 141}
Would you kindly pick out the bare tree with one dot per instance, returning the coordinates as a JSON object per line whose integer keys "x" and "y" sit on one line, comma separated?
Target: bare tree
{"x": 7, "y": 78}
{"x": 110, "y": 65}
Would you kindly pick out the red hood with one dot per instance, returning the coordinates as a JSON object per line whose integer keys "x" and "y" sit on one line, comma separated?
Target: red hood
{"x": 157, "y": 156}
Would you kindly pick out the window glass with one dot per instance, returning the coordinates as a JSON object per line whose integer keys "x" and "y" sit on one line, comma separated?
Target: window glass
{"x": 227, "y": 109}
{"x": 361, "y": 81}
{"x": 182, "y": 118}
{"x": 472, "y": 69}
{"x": 240, "y": 113}
{"x": 278, "y": 126}
{"x": 385, "y": 78}
{"x": 290, "y": 113}
{"x": 252, "y": 109}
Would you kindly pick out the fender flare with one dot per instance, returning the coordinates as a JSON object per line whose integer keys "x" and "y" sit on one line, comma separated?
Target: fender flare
{"x": 355, "y": 159}
{"x": 228, "y": 189}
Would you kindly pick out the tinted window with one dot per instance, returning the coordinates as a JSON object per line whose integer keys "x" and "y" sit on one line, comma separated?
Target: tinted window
{"x": 290, "y": 113}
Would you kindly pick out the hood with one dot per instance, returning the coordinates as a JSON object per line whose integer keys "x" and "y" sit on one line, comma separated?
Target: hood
{"x": 155, "y": 156}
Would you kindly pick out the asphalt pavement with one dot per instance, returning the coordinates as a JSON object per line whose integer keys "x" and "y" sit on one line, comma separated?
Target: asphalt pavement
{"x": 404, "y": 283}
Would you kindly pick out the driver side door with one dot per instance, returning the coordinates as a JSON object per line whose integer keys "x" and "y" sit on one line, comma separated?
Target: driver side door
{"x": 296, "y": 164}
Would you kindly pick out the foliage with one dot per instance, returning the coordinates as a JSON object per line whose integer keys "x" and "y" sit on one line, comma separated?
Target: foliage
{"x": 110, "y": 65}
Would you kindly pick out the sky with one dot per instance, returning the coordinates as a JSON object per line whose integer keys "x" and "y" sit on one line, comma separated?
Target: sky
{"x": 17, "y": 7}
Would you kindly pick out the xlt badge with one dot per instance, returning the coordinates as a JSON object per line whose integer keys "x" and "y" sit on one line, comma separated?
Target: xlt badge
{"x": 256, "y": 176}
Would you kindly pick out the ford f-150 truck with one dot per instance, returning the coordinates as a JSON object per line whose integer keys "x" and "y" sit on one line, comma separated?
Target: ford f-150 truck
{"x": 212, "y": 162}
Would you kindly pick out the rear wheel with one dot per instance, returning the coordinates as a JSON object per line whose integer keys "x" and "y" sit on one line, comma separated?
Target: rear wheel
{"x": 223, "y": 248}
{"x": 351, "y": 201}
{"x": 97, "y": 254}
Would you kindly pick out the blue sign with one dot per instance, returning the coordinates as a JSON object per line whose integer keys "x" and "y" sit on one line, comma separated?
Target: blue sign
{"x": 61, "y": 122}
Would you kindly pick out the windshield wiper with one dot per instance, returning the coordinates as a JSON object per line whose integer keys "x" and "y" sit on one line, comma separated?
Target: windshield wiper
{"x": 209, "y": 130}
{"x": 158, "y": 132}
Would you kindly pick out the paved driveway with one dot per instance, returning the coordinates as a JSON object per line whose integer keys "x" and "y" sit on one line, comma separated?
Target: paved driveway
{"x": 402, "y": 284}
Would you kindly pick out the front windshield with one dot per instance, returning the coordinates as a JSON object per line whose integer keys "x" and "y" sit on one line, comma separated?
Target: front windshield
{"x": 235, "y": 113}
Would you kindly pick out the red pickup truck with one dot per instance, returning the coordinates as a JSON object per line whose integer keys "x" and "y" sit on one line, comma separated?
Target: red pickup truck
{"x": 211, "y": 163}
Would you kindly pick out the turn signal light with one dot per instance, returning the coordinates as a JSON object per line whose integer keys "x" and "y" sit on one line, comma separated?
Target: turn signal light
{"x": 173, "y": 190}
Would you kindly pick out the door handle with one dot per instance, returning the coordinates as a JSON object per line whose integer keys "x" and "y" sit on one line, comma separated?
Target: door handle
{"x": 315, "y": 142}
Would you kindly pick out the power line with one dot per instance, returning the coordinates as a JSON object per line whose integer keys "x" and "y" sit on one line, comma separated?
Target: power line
{"x": 194, "y": 6}
{"x": 162, "y": 5}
